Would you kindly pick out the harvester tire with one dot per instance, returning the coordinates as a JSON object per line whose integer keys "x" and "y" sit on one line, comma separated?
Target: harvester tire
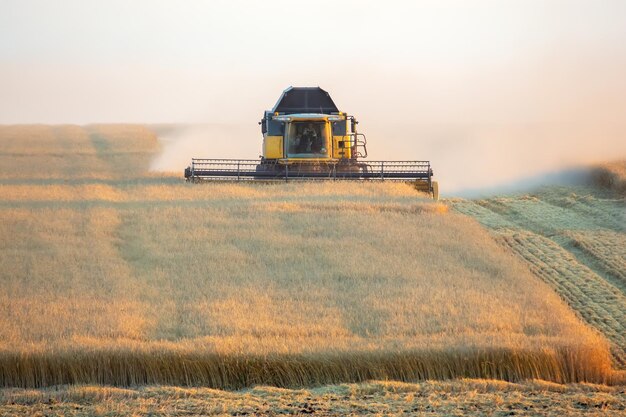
{"x": 435, "y": 187}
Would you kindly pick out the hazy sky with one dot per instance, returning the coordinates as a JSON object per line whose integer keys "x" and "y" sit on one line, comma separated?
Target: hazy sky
{"x": 226, "y": 61}
{"x": 396, "y": 65}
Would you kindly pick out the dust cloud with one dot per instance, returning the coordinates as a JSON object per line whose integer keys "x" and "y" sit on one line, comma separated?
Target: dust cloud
{"x": 532, "y": 120}
{"x": 180, "y": 143}
{"x": 468, "y": 160}
{"x": 477, "y": 160}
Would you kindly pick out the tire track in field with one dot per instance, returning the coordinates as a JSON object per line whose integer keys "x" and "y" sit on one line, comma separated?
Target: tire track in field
{"x": 603, "y": 250}
{"x": 598, "y": 302}
{"x": 544, "y": 235}
{"x": 594, "y": 241}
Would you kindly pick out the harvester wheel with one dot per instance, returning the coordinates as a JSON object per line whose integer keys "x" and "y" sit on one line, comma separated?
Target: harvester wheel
{"x": 435, "y": 187}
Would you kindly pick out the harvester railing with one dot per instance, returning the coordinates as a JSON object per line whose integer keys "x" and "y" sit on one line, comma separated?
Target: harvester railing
{"x": 360, "y": 145}
{"x": 254, "y": 169}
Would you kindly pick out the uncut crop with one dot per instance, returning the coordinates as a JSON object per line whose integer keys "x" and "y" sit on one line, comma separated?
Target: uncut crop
{"x": 115, "y": 275}
{"x": 573, "y": 238}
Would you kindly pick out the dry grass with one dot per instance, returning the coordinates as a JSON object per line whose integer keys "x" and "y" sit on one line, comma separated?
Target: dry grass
{"x": 433, "y": 398}
{"x": 118, "y": 276}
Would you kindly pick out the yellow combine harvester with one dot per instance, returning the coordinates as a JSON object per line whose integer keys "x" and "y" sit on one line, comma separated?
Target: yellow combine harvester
{"x": 306, "y": 137}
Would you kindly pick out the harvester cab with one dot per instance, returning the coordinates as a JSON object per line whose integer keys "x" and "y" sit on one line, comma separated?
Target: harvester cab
{"x": 306, "y": 125}
{"x": 306, "y": 137}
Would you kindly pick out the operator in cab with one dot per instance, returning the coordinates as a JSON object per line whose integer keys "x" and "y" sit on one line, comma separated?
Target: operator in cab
{"x": 308, "y": 139}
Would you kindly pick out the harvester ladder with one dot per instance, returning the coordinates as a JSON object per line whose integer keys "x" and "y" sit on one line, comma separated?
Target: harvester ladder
{"x": 359, "y": 147}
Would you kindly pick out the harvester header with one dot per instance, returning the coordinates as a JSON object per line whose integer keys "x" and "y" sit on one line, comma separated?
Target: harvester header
{"x": 307, "y": 137}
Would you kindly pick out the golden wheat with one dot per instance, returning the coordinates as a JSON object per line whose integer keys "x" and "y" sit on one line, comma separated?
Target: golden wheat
{"x": 119, "y": 276}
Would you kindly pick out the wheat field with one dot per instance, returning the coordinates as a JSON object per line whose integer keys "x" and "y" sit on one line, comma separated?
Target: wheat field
{"x": 112, "y": 274}
{"x": 573, "y": 238}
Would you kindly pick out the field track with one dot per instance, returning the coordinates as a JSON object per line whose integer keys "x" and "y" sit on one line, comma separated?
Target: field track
{"x": 387, "y": 398}
{"x": 575, "y": 240}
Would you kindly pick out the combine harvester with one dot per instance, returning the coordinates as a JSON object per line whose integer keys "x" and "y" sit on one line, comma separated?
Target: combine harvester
{"x": 306, "y": 137}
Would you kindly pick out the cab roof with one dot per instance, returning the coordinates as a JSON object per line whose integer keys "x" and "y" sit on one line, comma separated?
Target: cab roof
{"x": 305, "y": 100}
